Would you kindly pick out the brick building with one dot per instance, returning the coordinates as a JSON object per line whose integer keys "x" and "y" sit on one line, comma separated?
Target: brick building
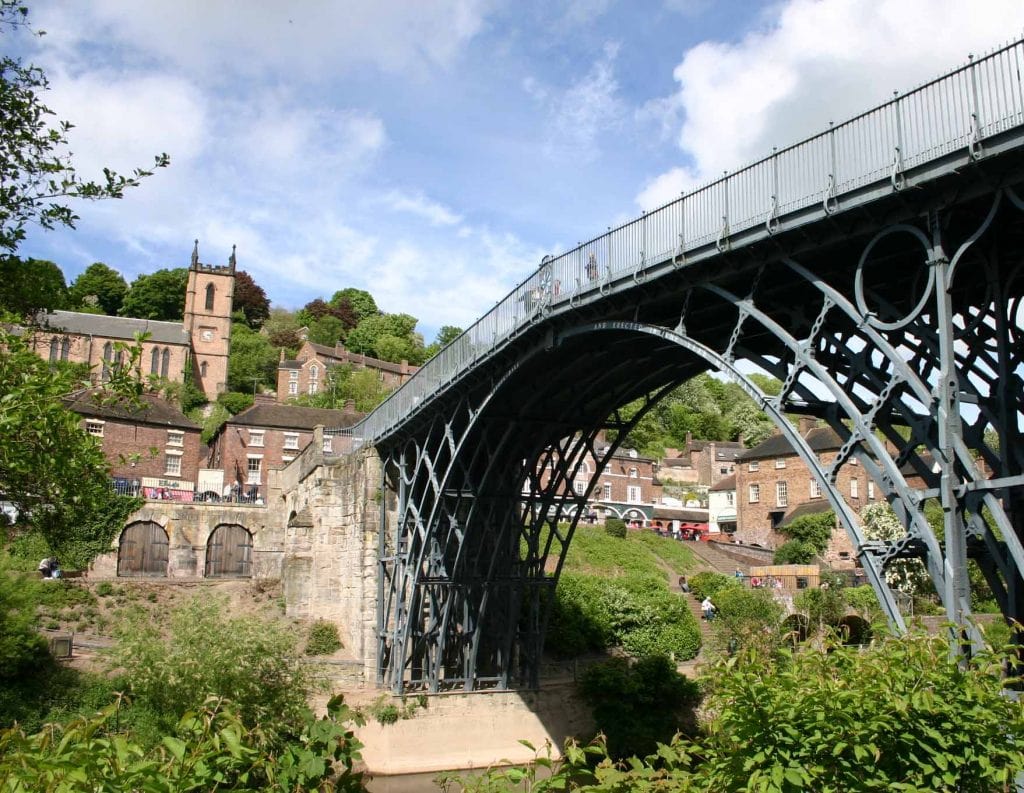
{"x": 267, "y": 436}
{"x": 153, "y": 449}
{"x": 701, "y": 463}
{"x": 199, "y": 343}
{"x": 774, "y": 486}
{"x": 308, "y": 373}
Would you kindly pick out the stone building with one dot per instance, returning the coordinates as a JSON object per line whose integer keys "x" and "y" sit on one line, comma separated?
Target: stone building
{"x": 700, "y": 463}
{"x": 268, "y": 436}
{"x": 198, "y": 344}
{"x": 308, "y": 373}
{"x": 722, "y": 506}
{"x": 153, "y": 449}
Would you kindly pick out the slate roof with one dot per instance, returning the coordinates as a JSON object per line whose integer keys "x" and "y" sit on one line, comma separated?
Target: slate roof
{"x": 680, "y": 513}
{"x": 729, "y": 483}
{"x": 814, "y": 507}
{"x": 115, "y": 327}
{"x": 293, "y": 417}
{"x": 95, "y": 402}
{"x": 820, "y": 439}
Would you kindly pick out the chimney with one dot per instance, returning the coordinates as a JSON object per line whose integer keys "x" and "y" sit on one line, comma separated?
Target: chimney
{"x": 282, "y": 356}
{"x": 806, "y": 423}
{"x": 689, "y": 439}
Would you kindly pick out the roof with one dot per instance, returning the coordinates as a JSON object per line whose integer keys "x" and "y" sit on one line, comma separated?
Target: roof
{"x": 289, "y": 364}
{"x": 815, "y": 507}
{"x": 729, "y": 483}
{"x": 115, "y": 327}
{"x": 293, "y": 417}
{"x": 339, "y": 355}
{"x": 820, "y": 439}
{"x": 151, "y": 409}
{"x": 679, "y": 513}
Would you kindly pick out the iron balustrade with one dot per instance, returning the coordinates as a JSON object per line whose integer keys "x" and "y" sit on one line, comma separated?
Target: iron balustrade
{"x": 959, "y": 111}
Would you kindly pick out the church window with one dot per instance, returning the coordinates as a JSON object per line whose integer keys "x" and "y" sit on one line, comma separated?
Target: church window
{"x": 154, "y": 361}
{"x": 65, "y": 348}
{"x": 108, "y": 358}
{"x": 53, "y": 349}
{"x": 209, "y": 296}
{"x": 202, "y": 369}
{"x": 165, "y": 362}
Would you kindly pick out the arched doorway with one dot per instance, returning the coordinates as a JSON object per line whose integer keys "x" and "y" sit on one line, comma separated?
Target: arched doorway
{"x": 142, "y": 550}
{"x": 229, "y": 552}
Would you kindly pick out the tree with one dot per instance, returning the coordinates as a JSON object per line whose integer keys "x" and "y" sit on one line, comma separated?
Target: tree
{"x": 36, "y": 173}
{"x": 369, "y": 337}
{"x": 27, "y": 286}
{"x": 160, "y": 296}
{"x": 445, "y": 336}
{"x": 327, "y": 330}
{"x": 251, "y": 300}
{"x": 252, "y": 361}
{"x": 361, "y": 302}
{"x": 282, "y": 330}
{"x": 815, "y": 530}
{"x": 99, "y": 286}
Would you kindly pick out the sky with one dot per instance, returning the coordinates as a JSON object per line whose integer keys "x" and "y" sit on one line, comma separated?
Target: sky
{"x": 432, "y": 152}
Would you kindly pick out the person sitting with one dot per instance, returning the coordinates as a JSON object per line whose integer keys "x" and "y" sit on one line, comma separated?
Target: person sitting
{"x": 49, "y": 567}
{"x": 708, "y": 609}
{"x": 684, "y": 585}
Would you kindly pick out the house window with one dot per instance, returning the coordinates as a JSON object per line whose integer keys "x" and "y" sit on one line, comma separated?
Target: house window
{"x": 314, "y": 372}
{"x": 256, "y": 437}
{"x": 815, "y": 489}
{"x": 314, "y": 386}
{"x": 209, "y": 296}
{"x": 175, "y": 438}
{"x": 606, "y": 491}
{"x": 327, "y": 444}
{"x": 753, "y": 465}
{"x": 871, "y": 490}
{"x": 781, "y": 494}
{"x": 108, "y": 357}
{"x": 293, "y": 376}
{"x": 754, "y": 493}
{"x": 633, "y": 494}
{"x": 633, "y": 473}
{"x": 854, "y": 488}
{"x": 255, "y": 466}
{"x": 579, "y": 486}
{"x": 723, "y": 471}
{"x": 780, "y": 462}
{"x": 202, "y": 369}
{"x": 287, "y": 458}
{"x": 94, "y": 427}
{"x": 730, "y": 498}
{"x": 291, "y": 440}
{"x": 173, "y": 464}
{"x": 293, "y": 389}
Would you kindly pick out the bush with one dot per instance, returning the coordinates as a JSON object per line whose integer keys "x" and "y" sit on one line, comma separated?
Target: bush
{"x": 746, "y": 618}
{"x": 709, "y": 584}
{"x": 862, "y": 598}
{"x": 615, "y": 527}
{"x": 637, "y": 704}
{"x": 795, "y": 552}
{"x": 22, "y": 649}
{"x": 822, "y": 606}
{"x": 204, "y": 652}
{"x": 234, "y": 401}
{"x": 815, "y": 530}
{"x": 323, "y": 638}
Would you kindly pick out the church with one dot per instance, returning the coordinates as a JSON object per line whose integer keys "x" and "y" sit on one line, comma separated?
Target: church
{"x": 199, "y": 344}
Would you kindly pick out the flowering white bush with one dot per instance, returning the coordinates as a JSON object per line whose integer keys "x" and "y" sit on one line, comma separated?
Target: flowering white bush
{"x": 879, "y": 522}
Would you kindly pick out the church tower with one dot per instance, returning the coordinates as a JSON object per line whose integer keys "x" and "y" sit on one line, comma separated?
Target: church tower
{"x": 208, "y": 300}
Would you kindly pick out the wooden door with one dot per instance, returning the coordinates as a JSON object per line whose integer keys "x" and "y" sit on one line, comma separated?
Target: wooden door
{"x": 142, "y": 550}
{"x": 229, "y": 552}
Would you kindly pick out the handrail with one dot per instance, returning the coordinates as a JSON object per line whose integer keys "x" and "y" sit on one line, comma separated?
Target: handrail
{"x": 958, "y": 110}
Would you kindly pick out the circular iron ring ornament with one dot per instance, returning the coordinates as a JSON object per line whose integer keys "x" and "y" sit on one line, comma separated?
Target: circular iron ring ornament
{"x": 858, "y": 283}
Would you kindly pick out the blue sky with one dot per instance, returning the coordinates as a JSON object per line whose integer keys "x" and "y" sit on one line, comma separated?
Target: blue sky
{"x": 432, "y": 151}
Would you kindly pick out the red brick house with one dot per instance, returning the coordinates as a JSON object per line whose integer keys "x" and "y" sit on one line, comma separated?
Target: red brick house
{"x": 702, "y": 463}
{"x": 153, "y": 449}
{"x": 267, "y": 436}
{"x": 308, "y": 373}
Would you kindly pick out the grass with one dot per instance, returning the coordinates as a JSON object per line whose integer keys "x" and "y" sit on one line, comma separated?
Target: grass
{"x": 639, "y": 553}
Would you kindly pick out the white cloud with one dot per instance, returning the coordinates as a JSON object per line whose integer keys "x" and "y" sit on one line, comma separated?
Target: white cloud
{"x": 421, "y": 206}
{"x": 811, "y": 62}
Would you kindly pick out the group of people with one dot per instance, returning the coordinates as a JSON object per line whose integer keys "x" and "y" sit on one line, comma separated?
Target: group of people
{"x": 49, "y": 567}
{"x": 707, "y": 608}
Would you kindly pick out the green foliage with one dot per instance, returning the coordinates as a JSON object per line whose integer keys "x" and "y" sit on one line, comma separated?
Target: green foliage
{"x": 879, "y": 522}
{"x": 99, "y": 287}
{"x": 861, "y": 598}
{"x": 250, "y": 299}
{"x": 203, "y": 651}
{"x": 235, "y": 401}
{"x": 823, "y": 607}
{"x": 327, "y": 330}
{"x": 637, "y": 704}
{"x": 673, "y": 553}
{"x": 252, "y": 358}
{"x": 795, "y": 552}
{"x": 615, "y": 527}
{"x": 282, "y": 330}
{"x": 28, "y": 285}
{"x": 814, "y": 530}
{"x": 390, "y": 337}
{"x": 386, "y": 710}
{"x": 709, "y": 583}
{"x": 22, "y": 649}
{"x": 323, "y": 638}
{"x": 360, "y": 301}
{"x": 36, "y": 171}
{"x": 746, "y": 617}
{"x": 159, "y": 295}
{"x": 210, "y": 748}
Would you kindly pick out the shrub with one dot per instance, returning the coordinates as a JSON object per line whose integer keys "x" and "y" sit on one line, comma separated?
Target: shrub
{"x": 235, "y": 401}
{"x": 822, "y": 606}
{"x": 795, "y": 552}
{"x": 615, "y": 527}
{"x": 709, "y": 584}
{"x": 580, "y": 620}
{"x": 323, "y": 638}
{"x": 746, "y": 617}
{"x": 638, "y": 703}
{"x": 104, "y": 589}
{"x": 815, "y": 530}
{"x": 204, "y": 652}
{"x": 22, "y": 649}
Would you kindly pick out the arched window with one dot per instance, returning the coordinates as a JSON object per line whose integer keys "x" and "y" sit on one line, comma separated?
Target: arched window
{"x": 108, "y": 358}
{"x": 202, "y": 369}
{"x": 65, "y": 348}
{"x": 154, "y": 361}
{"x": 165, "y": 362}
{"x": 209, "y": 296}
{"x": 53, "y": 349}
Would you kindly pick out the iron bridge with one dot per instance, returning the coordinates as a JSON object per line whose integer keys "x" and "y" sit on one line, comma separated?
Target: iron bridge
{"x": 875, "y": 269}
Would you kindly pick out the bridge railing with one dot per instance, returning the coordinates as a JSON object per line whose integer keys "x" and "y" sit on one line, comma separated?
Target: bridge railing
{"x": 957, "y": 111}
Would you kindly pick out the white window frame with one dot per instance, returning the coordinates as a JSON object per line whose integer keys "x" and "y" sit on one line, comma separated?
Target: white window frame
{"x": 815, "y": 488}
{"x": 314, "y": 386}
{"x": 314, "y": 372}
{"x": 634, "y": 494}
{"x": 254, "y": 469}
{"x": 606, "y": 491}
{"x": 579, "y": 486}
{"x": 175, "y": 469}
{"x": 327, "y": 444}
{"x": 94, "y": 427}
{"x": 754, "y": 493}
{"x": 854, "y": 488}
{"x": 175, "y": 437}
{"x": 780, "y": 462}
{"x": 730, "y": 498}
{"x": 293, "y": 389}
{"x": 782, "y": 493}
{"x": 287, "y": 458}
{"x": 293, "y": 376}
{"x": 257, "y": 437}
{"x": 291, "y": 440}
{"x": 754, "y": 465}
{"x": 634, "y": 472}
{"x": 871, "y": 490}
